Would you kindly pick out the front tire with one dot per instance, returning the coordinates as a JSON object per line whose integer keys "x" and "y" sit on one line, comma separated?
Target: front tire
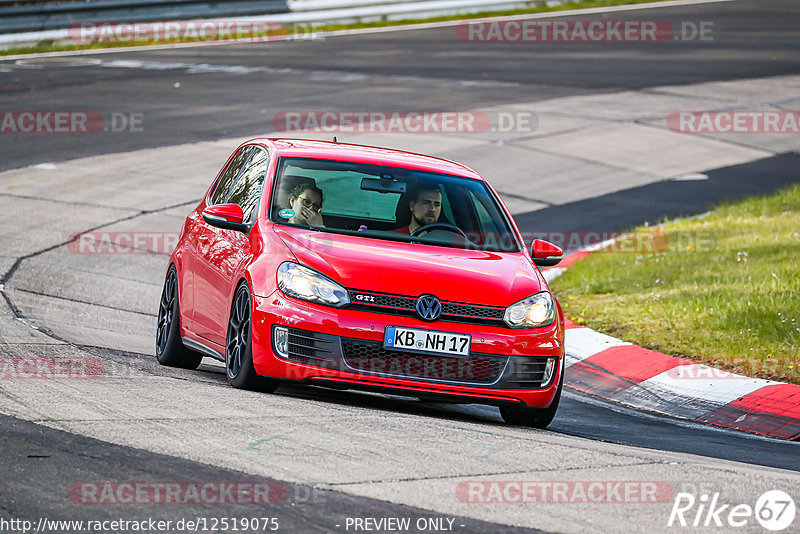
{"x": 239, "y": 346}
{"x": 533, "y": 417}
{"x": 170, "y": 350}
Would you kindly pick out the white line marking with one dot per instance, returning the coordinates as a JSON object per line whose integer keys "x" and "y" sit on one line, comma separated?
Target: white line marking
{"x": 584, "y": 342}
{"x": 691, "y": 381}
{"x": 694, "y": 177}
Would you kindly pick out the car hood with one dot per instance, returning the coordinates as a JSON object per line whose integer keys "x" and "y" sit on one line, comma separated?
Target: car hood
{"x": 412, "y": 269}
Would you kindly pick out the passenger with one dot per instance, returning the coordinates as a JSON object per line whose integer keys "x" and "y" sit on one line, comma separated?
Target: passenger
{"x": 306, "y": 202}
{"x": 425, "y": 205}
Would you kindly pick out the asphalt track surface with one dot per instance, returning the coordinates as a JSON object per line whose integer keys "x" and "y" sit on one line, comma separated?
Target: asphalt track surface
{"x": 39, "y": 463}
{"x": 393, "y": 71}
{"x": 423, "y": 69}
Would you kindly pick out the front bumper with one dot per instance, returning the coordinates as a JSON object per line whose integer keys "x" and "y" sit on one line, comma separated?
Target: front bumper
{"x": 344, "y": 348}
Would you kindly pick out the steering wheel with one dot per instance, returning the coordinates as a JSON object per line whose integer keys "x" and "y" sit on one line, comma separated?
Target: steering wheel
{"x": 439, "y": 225}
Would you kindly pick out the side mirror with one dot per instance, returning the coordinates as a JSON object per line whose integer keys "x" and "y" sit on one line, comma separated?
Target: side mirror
{"x": 546, "y": 254}
{"x": 228, "y": 216}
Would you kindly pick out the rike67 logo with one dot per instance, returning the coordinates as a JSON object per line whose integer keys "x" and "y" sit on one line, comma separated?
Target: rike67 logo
{"x": 774, "y": 510}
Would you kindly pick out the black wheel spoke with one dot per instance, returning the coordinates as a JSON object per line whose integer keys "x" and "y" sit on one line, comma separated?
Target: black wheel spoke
{"x": 237, "y": 314}
{"x": 234, "y": 360}
{"x": 243, "y": 306}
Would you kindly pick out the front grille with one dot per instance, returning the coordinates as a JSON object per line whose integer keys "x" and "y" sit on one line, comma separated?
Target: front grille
{"x": 371, "y": 357}
{"x": 394, "y": 302}
{"x": 311, "y": 348}
{"x": 402, "y": 305}
{"x": 468, "y": 310}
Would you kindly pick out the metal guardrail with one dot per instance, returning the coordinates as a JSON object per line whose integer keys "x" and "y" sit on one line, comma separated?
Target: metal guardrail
{"x": 49, "y": 15}
{"x": 396, "y": 10}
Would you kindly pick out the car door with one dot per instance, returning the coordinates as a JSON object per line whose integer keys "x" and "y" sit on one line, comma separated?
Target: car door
{"x": 202, "y": 296}
{"x": 196, "y": 235}
{"x": 221, "y": 252}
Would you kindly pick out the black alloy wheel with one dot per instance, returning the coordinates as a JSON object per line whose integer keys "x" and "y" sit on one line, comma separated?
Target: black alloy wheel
{"x": 169, "y": 346}
{"x": 239, "y": 346}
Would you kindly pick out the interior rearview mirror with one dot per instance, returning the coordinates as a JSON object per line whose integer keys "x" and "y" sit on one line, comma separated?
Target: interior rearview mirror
{"x": 385, "y": 184}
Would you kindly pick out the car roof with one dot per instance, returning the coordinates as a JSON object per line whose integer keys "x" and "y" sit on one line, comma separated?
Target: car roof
{"x": 364, "y": 154}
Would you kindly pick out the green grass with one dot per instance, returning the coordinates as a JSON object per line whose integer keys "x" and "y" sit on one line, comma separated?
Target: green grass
{"x": 722, "y": 290}
{"x": 51, "y": 46}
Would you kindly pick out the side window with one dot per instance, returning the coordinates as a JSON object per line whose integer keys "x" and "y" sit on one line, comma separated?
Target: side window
{"x": 247, "y": 190}
{"x": 228, "y": 177}
{"x": 486, "y": 221}
{"x": 447, "y": 209}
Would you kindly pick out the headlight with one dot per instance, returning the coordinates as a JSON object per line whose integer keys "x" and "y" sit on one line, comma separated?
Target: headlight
{"x": 307, "y": 284}
{"x": 534, "y": 311}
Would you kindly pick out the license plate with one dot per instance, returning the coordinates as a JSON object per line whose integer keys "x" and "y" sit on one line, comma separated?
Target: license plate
{"x": 427, "y": 341}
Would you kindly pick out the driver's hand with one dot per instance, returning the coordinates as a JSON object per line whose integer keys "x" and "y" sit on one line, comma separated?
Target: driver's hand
{"x": 312, "y": 217}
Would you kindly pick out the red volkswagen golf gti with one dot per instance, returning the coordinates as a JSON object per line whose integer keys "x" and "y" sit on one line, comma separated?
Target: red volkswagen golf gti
{"x": 364, "y": 268}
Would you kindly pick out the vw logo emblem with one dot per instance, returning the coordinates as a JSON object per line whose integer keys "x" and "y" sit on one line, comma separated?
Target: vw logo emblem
{"x": 429, "y": 308}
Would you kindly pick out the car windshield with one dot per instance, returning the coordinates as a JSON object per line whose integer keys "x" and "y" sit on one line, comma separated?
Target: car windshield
{"x": 381, "y": 202}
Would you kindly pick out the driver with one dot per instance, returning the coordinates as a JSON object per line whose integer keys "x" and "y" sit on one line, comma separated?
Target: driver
{"x": 306, "y": 203}
{"x": 426, "y": 207}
